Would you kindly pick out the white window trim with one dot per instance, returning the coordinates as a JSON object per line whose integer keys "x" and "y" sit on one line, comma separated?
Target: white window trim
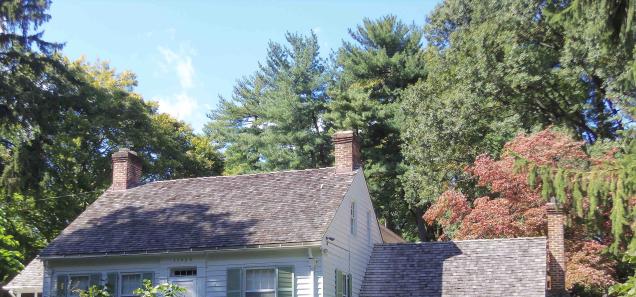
{"x": 120, "y": 281}
{"x": 244, "y": 284}
{"x": 347, "y": 280}
{"x": 275, "y": 268}
{"x": 69, "y": 292}
{"x": 173, "y": 269}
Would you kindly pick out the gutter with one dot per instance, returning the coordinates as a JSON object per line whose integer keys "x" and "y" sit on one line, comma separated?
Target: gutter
{"x": 292, "y": 245}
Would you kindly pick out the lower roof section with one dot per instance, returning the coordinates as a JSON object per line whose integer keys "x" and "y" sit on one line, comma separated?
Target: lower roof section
{"x": 497, "y": 267}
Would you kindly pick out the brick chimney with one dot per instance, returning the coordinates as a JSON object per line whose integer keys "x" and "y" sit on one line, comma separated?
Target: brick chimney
{"x": 556, "y": 251}
{"x": 126, "y": 170}
{"x": 346, "y": 151}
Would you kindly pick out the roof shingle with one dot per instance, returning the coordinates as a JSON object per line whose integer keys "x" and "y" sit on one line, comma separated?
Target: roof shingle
{"x": 498, "y": 267}
{"x": 207, "y": 213}
{"x": 29, "y": 277}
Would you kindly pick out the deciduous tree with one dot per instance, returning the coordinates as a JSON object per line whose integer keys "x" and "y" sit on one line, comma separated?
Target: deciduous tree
{"x": 514, "y": 206}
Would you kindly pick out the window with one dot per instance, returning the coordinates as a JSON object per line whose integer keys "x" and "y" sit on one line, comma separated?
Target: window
{"x": 129, "y": 283}
{"x": 353, "y": 218}
{"x": 180, "y": 272}
{"x": 343, "y": 284}
{"x": 132, "y": 281}
{"x": 78, "y": 282}
{"x": 68, "y": 285}
{"x": 260, "y": 282}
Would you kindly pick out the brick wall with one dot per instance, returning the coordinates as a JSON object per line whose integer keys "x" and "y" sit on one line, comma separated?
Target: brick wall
{"x": 126, "y": 170}
{"x": 556, "y": 251}
{"x": 346, "y": 151}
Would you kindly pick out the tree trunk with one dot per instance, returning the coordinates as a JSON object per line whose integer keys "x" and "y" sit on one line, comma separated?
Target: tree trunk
{"x": 424, "y": 232}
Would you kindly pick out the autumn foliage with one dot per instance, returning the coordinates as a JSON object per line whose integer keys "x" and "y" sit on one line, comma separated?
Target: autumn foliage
{"x": 515, "y": 206}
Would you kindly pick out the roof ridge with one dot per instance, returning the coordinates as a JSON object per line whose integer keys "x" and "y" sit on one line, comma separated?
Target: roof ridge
{"x": 465, "y": 240}
{"x": 239, "y": 175}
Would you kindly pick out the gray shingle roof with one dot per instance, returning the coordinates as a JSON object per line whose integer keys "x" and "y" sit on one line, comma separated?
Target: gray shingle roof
{"x": 207, "y": 213}
{"x": 29, "y": 277}
{"x": 499, "y": 267}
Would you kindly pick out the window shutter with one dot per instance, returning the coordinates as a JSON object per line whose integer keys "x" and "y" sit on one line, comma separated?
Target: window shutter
{"x": 234, "y": 282}
{"x": 95, "y": 279}
{"x": 339, "y": 284}
{"x": 61, "y": 285}
{"x": 147, "y": 276}
{"x": 111, "y": 283}
{"x": 349, "y": 285}
{"x": 285, "y": 281}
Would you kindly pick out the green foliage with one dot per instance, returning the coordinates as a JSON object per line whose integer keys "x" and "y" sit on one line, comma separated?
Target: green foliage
{"x": 55, "y": 157}
{"x": 160, "y": 290}
{"x": 484, "y": 88}
{"x": 611, "y": 188}
{"x": 366, "y": 93}
{"x": 627, "y": 288}
{"x": 10, "y": 255}
{"x": 275, "y": 118}
{"x": 19, "y": 22}
{"x": 577, "y": 196}
{"x": 93, "y": 291}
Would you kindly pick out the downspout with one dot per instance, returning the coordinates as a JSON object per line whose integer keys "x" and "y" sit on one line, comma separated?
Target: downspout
{"x": 312, "y": 272}
{"x": 12, "y": 293}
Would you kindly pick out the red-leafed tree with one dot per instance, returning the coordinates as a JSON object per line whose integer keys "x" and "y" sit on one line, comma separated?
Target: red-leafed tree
{"x": 515, "y": 205}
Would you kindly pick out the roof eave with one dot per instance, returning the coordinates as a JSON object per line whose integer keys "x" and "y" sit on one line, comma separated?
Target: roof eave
{"x": 290, "y": 245}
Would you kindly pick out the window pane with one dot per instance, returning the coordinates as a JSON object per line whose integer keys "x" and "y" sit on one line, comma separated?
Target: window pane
{"x": 78, "y": 282}
{"x": 61, "y": 285}
{"x": 261, "y": 294}
{"x": 260, "y": 279}
{"x": 130, "y": 282}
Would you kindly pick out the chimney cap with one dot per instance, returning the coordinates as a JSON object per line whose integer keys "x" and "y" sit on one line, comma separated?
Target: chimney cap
{"x": 344, "y": 133}
{"x": 124, "y": 152}
{"x": 344, "y": 137}
{"x": 552, "y": 208}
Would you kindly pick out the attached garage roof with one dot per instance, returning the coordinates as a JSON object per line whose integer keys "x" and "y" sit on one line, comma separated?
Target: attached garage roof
{"x": 29, "y": 279}
{"x": 498, "y": 267}
{"x": 207, "y": 213}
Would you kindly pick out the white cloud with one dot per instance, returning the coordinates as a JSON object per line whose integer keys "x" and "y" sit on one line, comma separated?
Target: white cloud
{"x": 180, "y": 106}
{"x": 181, "y": 63}
{"x": 178, "y": 62}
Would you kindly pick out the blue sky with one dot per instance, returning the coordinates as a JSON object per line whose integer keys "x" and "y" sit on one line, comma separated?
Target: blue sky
{"x": 187, "y": 53}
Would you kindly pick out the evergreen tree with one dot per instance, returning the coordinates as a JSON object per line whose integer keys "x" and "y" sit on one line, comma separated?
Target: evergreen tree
{"x": 275, "y": 118}
{"x": 371, "y": 74}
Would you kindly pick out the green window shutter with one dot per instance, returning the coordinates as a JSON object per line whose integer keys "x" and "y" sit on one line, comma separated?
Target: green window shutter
{"x": 285, "y": 281}
{"x": 60, "y": 285}
{"x": 95, "y": 279}
{"x": 339, "y": 284}
{"x": 349, "y": 286}
{"x": 234, "y": 282}
{"x": 111, "y": 283}
{"x": 148, "y": 276}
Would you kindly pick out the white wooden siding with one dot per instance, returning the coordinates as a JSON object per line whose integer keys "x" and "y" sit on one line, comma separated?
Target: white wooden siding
{"x": 350, "y": 253}
{"x": 219, "y": 263}
{"x": 211, "y": 267}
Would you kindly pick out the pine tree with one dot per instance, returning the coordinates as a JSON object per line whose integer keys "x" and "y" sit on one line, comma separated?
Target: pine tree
{"x": 275, "y": 118}
{"x": 372, "y": 72}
